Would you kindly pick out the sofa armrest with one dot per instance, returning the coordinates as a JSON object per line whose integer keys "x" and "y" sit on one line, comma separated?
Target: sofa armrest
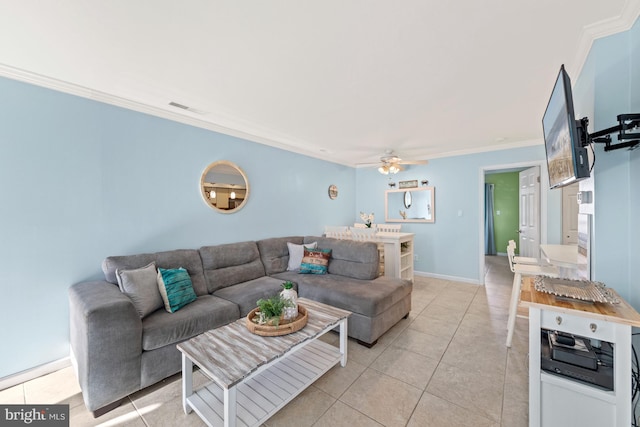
{"x": 106, "y": 342}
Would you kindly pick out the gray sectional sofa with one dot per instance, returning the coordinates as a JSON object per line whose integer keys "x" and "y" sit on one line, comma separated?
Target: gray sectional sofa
{"x": 116, "y": 352}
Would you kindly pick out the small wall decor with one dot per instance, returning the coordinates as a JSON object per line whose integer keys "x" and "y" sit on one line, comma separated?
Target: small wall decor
{"x": 424, "y": 182}
{"x": 408, "y": 184}
{"x": 392, "y": 185}
{"x": 333, "y": 191}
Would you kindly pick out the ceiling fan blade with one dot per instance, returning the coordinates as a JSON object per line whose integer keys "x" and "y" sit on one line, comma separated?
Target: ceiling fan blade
{"x": 413, "y": 162}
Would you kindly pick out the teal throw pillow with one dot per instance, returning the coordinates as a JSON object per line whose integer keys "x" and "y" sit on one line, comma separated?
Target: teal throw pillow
{"x": 175, "y": 288}
{"x": 315, "y": 261}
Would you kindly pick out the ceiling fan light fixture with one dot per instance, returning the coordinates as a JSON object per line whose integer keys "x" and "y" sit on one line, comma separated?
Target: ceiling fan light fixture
{"x": 384, "y": 170}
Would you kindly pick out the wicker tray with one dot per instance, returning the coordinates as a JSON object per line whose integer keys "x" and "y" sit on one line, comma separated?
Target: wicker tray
{"x": 285, "y": 327}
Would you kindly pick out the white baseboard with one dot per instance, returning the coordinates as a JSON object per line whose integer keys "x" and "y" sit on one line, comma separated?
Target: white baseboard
{"x": 445, "y": 277}
{"x": 32, "y": 373}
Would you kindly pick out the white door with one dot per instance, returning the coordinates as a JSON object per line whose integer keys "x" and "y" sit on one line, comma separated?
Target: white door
{"x": 530, "y": 212}
{"x": 570, "y": 214}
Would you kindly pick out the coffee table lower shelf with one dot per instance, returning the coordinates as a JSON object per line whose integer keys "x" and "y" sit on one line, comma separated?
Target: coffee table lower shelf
{"x": 267, "y": 390}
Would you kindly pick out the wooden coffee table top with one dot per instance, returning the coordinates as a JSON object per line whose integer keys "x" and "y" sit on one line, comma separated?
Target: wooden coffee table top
{"x": 230, "y": 353}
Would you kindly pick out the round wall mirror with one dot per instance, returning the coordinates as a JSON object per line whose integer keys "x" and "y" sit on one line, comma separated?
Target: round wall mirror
{"x": 408, "y": 200}
{"x": 224, "y": 186}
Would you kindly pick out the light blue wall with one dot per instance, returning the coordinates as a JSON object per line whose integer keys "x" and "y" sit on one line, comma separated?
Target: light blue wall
{"x": 607, "y": 86}
{"x": 81, "y": 180}
{"x": 450, "y": 247}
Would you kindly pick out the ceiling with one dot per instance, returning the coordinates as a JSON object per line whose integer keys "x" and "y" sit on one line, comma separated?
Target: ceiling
{"x": 341, "y": 80}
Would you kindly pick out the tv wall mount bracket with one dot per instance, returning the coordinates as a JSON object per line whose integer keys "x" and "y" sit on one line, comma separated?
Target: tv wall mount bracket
{"x": 627, "y": 123}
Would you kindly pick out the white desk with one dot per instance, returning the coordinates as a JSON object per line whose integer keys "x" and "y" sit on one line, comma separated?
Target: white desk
{"x": 561, "y": 255}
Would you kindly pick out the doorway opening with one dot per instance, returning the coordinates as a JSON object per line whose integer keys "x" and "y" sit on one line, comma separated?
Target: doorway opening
{"x": 529, "y": 206}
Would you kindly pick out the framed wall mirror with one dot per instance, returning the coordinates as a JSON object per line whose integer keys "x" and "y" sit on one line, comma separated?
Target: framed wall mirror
{"x": 410, "y": 205}
{"x": 224, "y": 187}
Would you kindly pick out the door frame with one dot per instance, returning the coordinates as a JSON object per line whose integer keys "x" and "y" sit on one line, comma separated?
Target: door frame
{"x": 544, "y": 189}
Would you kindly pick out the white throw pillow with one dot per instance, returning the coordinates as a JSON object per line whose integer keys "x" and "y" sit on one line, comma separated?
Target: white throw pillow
{"x": 296, "y": 252}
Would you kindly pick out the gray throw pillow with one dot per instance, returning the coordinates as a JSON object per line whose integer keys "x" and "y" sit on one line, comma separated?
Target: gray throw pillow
{"x": 141, "y": 286}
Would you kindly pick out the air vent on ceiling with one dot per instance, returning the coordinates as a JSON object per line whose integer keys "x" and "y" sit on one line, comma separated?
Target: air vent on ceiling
{"x": 175, "y": 104}
{"x": 186, "y": 107}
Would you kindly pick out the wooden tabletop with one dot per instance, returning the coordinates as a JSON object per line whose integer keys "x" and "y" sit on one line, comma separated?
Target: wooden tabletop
{"x": 619, "y": 313}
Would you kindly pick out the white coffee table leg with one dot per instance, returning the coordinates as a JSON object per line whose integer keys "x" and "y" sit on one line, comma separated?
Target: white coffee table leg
{"x": 230, "y": 407}
{"x": 187, "y": 382}
{"x": 343, "y": 342}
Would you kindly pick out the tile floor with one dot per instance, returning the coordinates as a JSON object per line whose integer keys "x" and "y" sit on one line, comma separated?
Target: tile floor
{"x": 446, "y": 365}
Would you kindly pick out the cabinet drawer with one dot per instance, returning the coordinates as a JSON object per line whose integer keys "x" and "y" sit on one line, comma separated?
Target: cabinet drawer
{"x": 592, "y": 328}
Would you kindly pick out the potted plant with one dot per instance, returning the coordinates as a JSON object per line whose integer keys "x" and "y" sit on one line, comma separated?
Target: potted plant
{"x": 271, "y": 310}
{"x": 288, "y": 293}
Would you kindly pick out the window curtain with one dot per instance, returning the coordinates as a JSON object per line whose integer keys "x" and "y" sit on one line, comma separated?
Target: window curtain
{"x": 489, "y": 231}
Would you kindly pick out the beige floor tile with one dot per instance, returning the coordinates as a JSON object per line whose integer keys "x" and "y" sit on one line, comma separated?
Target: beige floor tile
{"x": 476, "y": 390}
{"x": 425, "y": 344}
{"x": 339, "y": 379}
{"x": 13, "y": 395}
{"x": 363, "y": 355}
{"x": 434, "y": 411}
{"x": 304, "y": 410}
{"x": 58, "y": 387}
{"x": 445, "y": 328}
{"x": 475, "y": 352}
{"x": 451, "y": 313}
{"x": 167, "y": 413}
{"x": 406, "y": 366}
{"x": 385, "y": 399}
{"x": 125, "y": 415}
{"x": 341, "y": 415}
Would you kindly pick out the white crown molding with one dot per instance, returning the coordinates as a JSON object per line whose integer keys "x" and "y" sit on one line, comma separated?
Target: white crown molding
{"x": 607, "y": 27}
{"x": 183, "y": 116}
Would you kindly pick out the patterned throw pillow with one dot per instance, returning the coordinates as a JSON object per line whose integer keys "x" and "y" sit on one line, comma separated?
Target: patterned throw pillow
{"x": 175, "y": 288}
{"x": 140, "y": 286}
{"x": 315, "y": 261}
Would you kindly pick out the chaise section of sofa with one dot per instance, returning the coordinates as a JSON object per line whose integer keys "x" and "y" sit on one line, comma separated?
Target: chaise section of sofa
{"x": 352, "y": 283}
{"x": 114, "y": 350}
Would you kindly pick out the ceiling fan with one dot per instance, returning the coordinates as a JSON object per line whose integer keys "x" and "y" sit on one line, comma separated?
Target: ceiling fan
{"x": 390, "y": 163}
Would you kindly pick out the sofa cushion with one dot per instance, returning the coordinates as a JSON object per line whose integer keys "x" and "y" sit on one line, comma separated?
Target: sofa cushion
{"x": 366, "y": 297}
{"x": 140, "y": 286}
{"x": 296, "y": 253}
{"x": 247, "y": 294}
{"x": 315, "y": 261}
{"x": 175, "y": 288}
{"x": 359, "y": 260}
{"x": 230, "y": 264}
{"x": 206, "y": 312}
{"x": 186, "y": 258}
{"x": 275, "y": 253}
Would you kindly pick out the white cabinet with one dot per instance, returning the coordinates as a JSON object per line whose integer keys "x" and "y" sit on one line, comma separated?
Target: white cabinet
{"x": 559, "y": 400}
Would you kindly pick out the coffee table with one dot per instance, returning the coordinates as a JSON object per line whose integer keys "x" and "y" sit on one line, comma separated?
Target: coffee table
{"x": 253, "y": 377}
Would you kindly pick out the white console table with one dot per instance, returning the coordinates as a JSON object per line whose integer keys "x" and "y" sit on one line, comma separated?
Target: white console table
{"x": 398, "y": 254}
{"x": 560, "y": 401}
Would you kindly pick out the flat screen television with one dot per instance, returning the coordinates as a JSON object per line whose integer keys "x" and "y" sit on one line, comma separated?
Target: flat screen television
{"x": 567, "y": 160}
